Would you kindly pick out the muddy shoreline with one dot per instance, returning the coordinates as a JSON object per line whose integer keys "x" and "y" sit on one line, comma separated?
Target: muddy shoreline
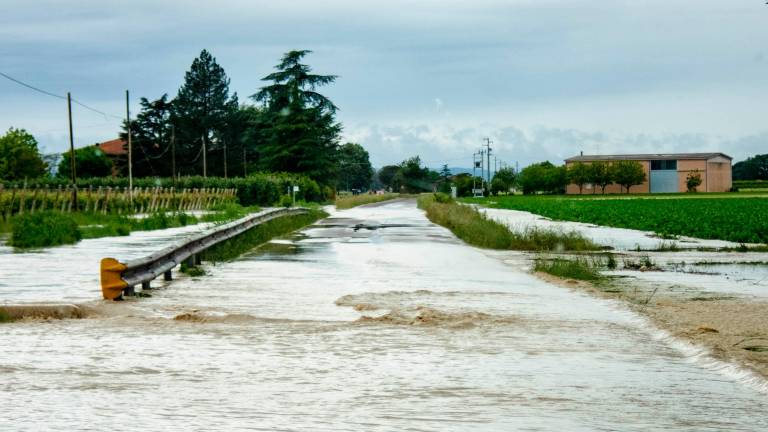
{"x": 733, "y": 330}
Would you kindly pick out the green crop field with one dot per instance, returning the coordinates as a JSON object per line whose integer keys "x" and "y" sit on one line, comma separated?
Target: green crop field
{"x": 743, "y": 220}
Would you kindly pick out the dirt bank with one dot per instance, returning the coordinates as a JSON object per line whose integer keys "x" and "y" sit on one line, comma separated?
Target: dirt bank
{"x": 732, "y": 329}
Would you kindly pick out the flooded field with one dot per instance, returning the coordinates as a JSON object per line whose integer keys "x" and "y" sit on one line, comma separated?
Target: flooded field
{"x": 373, "y": 319}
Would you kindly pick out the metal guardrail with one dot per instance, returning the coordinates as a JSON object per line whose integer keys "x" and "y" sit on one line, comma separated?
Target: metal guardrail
{"x": 119, "y": 278}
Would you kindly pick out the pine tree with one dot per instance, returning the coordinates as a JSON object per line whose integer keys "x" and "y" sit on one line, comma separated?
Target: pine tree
{"x": 301, "y": 133}
{"x": 201, "y": 110}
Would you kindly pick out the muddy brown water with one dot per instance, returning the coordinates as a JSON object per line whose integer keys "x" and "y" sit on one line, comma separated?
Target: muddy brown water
{"x": 391, "y": 329}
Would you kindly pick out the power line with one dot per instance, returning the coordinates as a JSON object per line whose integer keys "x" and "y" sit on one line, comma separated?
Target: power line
{"x": 45, "y": 92}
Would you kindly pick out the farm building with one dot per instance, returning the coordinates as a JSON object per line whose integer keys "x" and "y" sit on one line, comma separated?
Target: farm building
{"x": 665, "y": 173}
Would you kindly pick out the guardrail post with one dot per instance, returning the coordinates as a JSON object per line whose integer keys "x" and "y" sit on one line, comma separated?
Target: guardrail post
{"x": 129, "y": 291}
{"x": 191, "y": 261}
{"x": 168, "y": 276}
{"x": 146, "y": 285}
{"x": 198, "y": 259}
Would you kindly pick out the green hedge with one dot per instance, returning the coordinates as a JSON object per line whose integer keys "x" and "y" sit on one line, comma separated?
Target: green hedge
{"x": 750, "y": 184}
{"x": 263, "y": 189}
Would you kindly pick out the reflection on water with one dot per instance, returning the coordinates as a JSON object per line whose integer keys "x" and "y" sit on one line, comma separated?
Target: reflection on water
{"x": 393, "y": 329}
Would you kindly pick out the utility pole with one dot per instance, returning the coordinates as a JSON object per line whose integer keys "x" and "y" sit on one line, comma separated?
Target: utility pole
{"x": 225, "y": 157}
{"x": 488, "y": 155}
{"x": 173, "y": 153}
{"x": 205, "y": 160}
{"x": 130, "y": 146}
{"x": 72, "y": 153}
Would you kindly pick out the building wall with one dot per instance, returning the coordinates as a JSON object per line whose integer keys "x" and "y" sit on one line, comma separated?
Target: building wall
{"x": 685, "y": 167}
{"x": 716, "y": 176}
{"x": 573, "y": 189}
{"x": 719, "y": 176}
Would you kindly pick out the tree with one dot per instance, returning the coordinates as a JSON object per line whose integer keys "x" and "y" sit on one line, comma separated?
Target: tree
{"x": 628, "y": 173}
{"x": 579, "y": 174}
{"x": 302, "y": 134}
{"x": 19, "y": 156}
{"x": 754, "y": 168}
{"x": 503, "y": 180}
{"x": 355, "y": 170}
{"x": 601, "y": 174}
{"x": 464, "y": 183}
{"x": 387, "y": 175}
{"x": 412, "y": 177}
{"x": 693, "y": 180}
{"x": 200, "y": 113}
{"x": 151, "y": 138}
{"x": 89, "y": 162}
{"x": 543, "y": 177}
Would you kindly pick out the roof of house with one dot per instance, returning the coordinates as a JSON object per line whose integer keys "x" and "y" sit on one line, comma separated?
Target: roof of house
{"x": 654, "y": 156}
{"x": 115, "y": 147}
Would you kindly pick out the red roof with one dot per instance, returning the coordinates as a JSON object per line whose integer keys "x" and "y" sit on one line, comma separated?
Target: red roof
{"x": 115, "y": 147}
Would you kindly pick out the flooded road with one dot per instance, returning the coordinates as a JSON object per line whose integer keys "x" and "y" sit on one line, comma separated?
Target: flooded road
{"x": 374, "y": 319}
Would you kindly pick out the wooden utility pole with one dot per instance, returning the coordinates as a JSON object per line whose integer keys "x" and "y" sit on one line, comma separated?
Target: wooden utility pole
{"x": 72, "y": 164}
{"x": 205, "y": 160}
{"x": 130, "y": 146}
{"x": 173, "y": 154}
{"x": 488, "y": 155}
{"x": 225, "y": 156}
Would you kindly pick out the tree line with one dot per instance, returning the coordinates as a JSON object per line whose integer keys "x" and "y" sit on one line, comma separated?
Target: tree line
{"x": 286, "y": 126}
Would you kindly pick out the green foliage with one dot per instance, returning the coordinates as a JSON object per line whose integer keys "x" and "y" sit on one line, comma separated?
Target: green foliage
{"x": 600, "y": 174}
{"x": 301, "y": 134}
{"x": 355, "y": 170}
{"x": 151, "y": 134}
{"x": 693, "y": 180}
{"x": 754, "y": 168}
{"x": 43, "y": 229}
{"x": 193, "y": 271}
{"x": 477, "y": 229}
{"x": 4, "y": 317}
{"x": 543, "y": 177}
{"x": 19, "y": 156}
{"x": 464, "y": 184}
{"x": 503, "y": 180}
{"x": 201, "y": 112}
{"x": 628, "y": 173}
{"x": 89, "y": 162}
{"x": 750, "y": 184}
{"x": 733, "y": 219}
{"x": 577, "y": 268}
{"x": 386, "y": 176}
{"x": 579, "y": 174}
{"x": 412, "y": 177}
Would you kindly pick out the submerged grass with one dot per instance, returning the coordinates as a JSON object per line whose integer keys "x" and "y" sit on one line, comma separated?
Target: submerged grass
{"x": 350, "y": 201}
{"x": 4, "y": 317}
{"x": 259, "y": 234}
{"x": 578, "y": 268}
{"x": 477, "y": 229}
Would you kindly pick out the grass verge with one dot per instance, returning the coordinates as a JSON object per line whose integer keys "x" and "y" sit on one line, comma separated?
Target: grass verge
{"x": 579, "y": 268}
{"x": 44, "y": 229}
{"x": 350, "y": 201}
{"x": 259, "y": 234}
{"x": 477, "y": 229}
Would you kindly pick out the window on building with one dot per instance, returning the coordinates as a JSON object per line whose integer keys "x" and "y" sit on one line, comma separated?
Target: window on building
{"x": 663, "y": 165}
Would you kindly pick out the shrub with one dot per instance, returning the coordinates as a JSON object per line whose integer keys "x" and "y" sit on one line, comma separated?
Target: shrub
{"x": 44, "y": 229}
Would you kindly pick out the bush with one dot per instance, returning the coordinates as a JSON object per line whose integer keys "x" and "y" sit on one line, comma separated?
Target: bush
{"x": 44, "y": 229}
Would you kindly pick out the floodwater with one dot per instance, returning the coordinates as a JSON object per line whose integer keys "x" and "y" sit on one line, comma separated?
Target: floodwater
{"x": 616, "y": 238}
{"x": 393, "y": 328}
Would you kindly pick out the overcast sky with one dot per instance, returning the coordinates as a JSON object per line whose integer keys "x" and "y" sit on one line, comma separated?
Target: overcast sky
{"x": 544, "y": 79}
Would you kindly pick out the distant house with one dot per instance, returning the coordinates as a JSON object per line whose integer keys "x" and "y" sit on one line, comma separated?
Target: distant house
{"x": 115, "y": 150}
{"x": 666, "y": 173}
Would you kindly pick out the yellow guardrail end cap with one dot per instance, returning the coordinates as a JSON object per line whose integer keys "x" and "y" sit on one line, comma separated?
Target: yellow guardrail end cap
{"x": 112, "y": 284}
